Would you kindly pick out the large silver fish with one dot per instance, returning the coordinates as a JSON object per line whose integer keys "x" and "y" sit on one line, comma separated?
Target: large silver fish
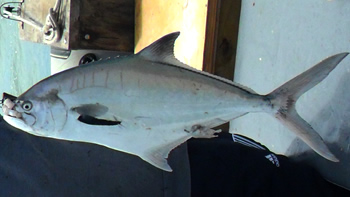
{"x": 149, "y": 103}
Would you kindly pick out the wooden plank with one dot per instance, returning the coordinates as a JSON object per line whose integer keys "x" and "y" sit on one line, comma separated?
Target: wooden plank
{"x": 104, "y": 24}
{"x": 222, "y": 37}
{"x": 221, "y": 40}
{"x": 210, "y": 45}
{"x": 85, "y": 24}
{"x": 227, "y": 38}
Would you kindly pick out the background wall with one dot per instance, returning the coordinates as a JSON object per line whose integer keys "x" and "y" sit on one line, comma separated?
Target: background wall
{"x": 279, "y": 40}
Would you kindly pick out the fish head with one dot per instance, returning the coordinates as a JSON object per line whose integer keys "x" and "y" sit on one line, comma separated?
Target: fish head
{"x": 35, "y": 115}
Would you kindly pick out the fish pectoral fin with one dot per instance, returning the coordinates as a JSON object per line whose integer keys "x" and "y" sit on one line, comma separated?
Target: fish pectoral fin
{"x": 96, "y": 121}
{"x": 91, "y": 109}
{"x": 158, "y": 156}
{"x": 95, "y": 114}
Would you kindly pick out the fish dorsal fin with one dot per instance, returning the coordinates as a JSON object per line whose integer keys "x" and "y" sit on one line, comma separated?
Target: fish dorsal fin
{"x": 162, "y": 50}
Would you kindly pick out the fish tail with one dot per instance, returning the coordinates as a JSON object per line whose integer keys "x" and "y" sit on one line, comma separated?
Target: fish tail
{"x": 283, "y": 100}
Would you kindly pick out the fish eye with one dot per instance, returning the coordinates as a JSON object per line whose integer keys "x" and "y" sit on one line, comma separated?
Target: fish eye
{"x": 27, "y": 105}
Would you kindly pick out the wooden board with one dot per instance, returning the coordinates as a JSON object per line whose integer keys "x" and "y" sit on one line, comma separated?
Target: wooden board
{"x": 221, "y": 40}
{"x": 109, "y": 25}
{"x": 86, "y": 24}
{"x": 222, "y": 37}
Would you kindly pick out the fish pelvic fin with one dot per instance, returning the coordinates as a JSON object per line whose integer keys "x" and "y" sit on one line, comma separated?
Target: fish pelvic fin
{"x": 283, "y": 100}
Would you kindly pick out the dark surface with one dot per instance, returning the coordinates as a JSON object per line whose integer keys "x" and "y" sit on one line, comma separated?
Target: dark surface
{"x": 238, "y": 170}
{"x": 34, "y": 166}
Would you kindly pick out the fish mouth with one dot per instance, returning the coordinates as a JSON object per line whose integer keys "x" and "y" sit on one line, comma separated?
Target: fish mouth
{"x": 8, "y": 105}
{"x": 11, "y": 115}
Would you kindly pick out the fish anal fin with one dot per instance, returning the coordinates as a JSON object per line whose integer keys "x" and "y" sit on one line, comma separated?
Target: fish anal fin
{"x": 157, "y": 156}
{"x": 157, "y": 159}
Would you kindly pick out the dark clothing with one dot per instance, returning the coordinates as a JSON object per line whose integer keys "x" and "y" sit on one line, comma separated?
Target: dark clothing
{"x": 35, "y": 166}
{"x": 222, "y": 167}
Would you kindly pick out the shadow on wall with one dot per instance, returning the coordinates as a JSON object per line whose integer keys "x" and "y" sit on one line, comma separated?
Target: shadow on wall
{"x": 333, "y": 123}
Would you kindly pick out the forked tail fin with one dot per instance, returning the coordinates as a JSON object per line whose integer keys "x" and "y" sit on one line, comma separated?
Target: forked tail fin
{"x": 284, "y": 98}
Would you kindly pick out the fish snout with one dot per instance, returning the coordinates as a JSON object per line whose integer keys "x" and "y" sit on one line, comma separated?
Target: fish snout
{"x": 8, "y": 108}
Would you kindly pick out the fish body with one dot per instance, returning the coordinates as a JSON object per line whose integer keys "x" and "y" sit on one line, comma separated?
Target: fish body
{"x": 149, "y": 103}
